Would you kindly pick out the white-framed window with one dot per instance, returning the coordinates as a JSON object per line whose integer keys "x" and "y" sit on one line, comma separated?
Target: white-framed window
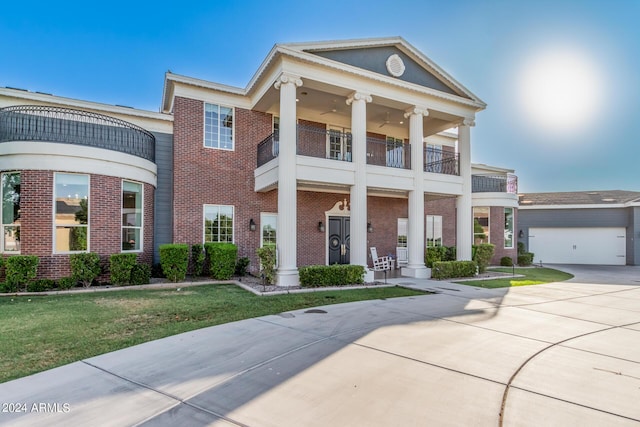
{"x": 339, "y": 144}
{"x": 10, "y": 212}
{"x": 395, "y": 152}
{"x": 71, "y": 212}
{"x": 403, "y": 225}
{"x": 508, "y": 228}
{"x": 481, "y": 229}
{"x": 218, "y": 223}
{"x": 132, "y": 216}
{"x": 434, "y": 230}
{"x": 218, "y": 126}
{"x": 268, "y": 229}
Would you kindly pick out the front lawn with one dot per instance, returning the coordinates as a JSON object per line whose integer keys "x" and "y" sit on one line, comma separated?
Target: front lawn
{"x": 42, "y": 332}
{"x": 532, "y": 276}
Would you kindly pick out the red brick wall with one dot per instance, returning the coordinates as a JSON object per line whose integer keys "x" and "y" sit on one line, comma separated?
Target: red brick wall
{"x": 496, "y": 222}
{"x": 447, "y": 209}
{"x": 105, "y": 198}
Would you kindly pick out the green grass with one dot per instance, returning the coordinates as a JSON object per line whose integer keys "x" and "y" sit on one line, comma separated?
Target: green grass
{"x": 532, "y": 276}
{"x": 42, "y": 332}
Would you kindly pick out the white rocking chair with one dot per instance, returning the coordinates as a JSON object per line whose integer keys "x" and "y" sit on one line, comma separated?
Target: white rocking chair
{"x": 380, "y": 263}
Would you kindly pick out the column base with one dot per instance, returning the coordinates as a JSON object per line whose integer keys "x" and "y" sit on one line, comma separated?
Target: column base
{"x": 419, "y": 272}
{"x": 369, "y": 275}
{"x": 286, "y": 278}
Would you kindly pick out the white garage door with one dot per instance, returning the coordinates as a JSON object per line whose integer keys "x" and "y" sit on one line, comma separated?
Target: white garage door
{"x": 594, "y": 245}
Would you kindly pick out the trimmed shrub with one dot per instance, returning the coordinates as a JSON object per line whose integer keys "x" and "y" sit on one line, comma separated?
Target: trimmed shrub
{"x": 65, "y": 283}
{"x": 222, "y": 259}
{"x": 120, "y": 267}
{"x": 451, "y": 269}
{"x": 20, "y": 270}
{"x": 85, "y": 267}
{"x": 434, "y": 254}
{"x": 506, "y": 261}
{"x": 482, "y": 255}
{"x": 521, "y": 248}
{"x": 174, "y": 259}
{"x": 197, "y": 259}
{"x": 4, "y": 288}
{"x": 525, "y": 259}
{"x": 331, "y": 275}
{"x": 140, "y": 274}
{"x": 241, "y": 266}
{"x": 267, "y": 256}
{"x": 41, "y": 285}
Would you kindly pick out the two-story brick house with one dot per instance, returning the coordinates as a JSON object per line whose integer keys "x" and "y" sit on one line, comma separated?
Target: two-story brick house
{"x": 332, "y": 148}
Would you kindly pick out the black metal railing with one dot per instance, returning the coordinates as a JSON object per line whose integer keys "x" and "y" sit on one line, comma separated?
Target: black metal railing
{"x": 68, "y": 126}
{"x": 440, "y": 161}
{"x": 324, "y": 143}
{"x": 391, "y": 154}
{"x": 268, "y": 148}
{"x": 494, "y": 184}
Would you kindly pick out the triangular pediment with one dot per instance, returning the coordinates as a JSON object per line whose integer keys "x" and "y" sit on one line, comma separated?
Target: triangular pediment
{"x": 392, "y": 57}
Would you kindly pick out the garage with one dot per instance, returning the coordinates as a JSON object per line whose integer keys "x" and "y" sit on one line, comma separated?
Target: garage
{"x": 579, "y": 245}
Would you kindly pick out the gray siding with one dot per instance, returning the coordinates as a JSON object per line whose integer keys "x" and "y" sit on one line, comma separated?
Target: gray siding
{"x": 163, "y": 218}
{"x": 375, "y": 58}
{"x": 605, "y": 217}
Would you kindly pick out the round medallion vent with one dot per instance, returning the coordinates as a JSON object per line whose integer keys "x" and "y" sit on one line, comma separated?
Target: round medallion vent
{"x": 395, "y": 66}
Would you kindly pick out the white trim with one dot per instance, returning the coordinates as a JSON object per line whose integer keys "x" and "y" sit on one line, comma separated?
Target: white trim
{"x": 340, "y": 209}
{"x": 54, "y": 222}
{"x": 2, "y": 223}
{"x": 263, "y": 215}
{"x": 122, "y": 181}
{"x": 514, "y": 237}
{"x": 31, "y": 155}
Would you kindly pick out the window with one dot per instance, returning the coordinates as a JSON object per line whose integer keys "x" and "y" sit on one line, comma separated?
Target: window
{"x": 402, "y": 232}
{"x": 131, "y": 216}
{"x": 218, "y": 127}
{"x": 433, "y": 160}
{"x": 268, "y": 227}
{"x": 480, "y": 225}
{"x": 339, "y": 144}
{"x": 395, "y": 152}
{"x": 508, "y": 228}
{"x": 10, "y": 212}
{"x": 218, "y": 223}
{"x": 434, "y": 230}
{"x": 71, "y": 212}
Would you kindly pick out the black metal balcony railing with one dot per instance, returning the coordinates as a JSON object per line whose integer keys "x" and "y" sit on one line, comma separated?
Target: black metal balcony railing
{"x": 390, "y": 154}
{"x": 439, "y": 161}
{"x": 68, "y": 126}
{"x": 268, "y": 149}
{"x": 494, "y": 184}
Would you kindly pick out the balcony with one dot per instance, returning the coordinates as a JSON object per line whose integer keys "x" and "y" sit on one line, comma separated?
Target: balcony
{"x": 67, "y": 126}
{"x": 441, "y": 161}
{"x": 494, "y": 184}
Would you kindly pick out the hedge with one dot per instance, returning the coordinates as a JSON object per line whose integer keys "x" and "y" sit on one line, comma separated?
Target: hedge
{"x": 120, "y": 268}
{"x": 174, "y": 259}
{"x": 451, "y": 269}
{"x": 140, "y": 274}
{"x": 267, "y": 256}
{"x": 439, "y": 253}
{"x": 41, "y": 285}
{"x": 197, "y": 259}
{"x": 222, "y": 259}
{"x": 525, "y": 259}
{"x": 506, "y": 261}
{"x": 482, "y": 255}
{"x": 20, "y": 270}
{"x": 331, "y": 275}
{"x": 85, "y": 267}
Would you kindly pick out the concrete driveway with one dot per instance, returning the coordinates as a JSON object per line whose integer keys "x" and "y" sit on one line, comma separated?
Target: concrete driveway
{"x": 557, "y": 354}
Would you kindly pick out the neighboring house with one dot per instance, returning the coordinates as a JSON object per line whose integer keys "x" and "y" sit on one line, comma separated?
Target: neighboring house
{"x": 332, "y": 148}
{"x": 586, "y": 227}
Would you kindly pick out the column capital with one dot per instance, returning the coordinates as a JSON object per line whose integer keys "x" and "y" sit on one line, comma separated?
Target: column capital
{"x": 416, "y": 111}
{"x": 359, "y": 96}
{"x": 285, "y": 78}
{"x": 468, "y": 121}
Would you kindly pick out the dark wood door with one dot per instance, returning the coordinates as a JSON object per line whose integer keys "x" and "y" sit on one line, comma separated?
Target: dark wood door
{"x": 339, "y": 234}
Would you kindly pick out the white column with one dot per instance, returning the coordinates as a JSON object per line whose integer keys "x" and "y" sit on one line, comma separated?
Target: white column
{"x": 358, "y": 205}
{"x": 415, "y": 236}
{"x": 286, "y": 240}
{"x": 464, "y": 221}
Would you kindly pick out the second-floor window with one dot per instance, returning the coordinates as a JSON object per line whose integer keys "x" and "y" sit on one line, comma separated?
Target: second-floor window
{"x": 218, "y": 127}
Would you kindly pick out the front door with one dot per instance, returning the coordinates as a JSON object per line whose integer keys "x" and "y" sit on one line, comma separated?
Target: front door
{"x": 339, "y": 234}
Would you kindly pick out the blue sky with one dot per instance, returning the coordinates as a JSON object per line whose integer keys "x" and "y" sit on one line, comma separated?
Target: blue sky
{"x": 117, "y": 52}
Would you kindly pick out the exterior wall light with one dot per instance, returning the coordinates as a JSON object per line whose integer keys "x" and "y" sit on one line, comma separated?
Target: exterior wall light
{"x": 252, "y": 225}
{"x": 321, "y": 227}
{"x": 369, "y": 228}
{"x": 521, "y": 234}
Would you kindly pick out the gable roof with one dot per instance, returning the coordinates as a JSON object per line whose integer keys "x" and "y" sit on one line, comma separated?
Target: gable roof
{"x": 580, "y": 199}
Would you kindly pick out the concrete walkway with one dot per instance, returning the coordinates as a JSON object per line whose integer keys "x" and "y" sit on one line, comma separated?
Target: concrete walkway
{"x": 558, "y": 354}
